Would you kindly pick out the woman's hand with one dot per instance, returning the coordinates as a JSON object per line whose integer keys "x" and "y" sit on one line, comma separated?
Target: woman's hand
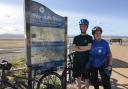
{"x": 109, "y": 67}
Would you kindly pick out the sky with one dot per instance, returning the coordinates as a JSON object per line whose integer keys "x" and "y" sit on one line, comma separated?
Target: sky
{"x": 110, "y": 15}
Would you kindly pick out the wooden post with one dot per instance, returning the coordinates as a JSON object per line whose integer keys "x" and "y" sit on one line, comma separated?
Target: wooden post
{"x": 28, "y": 39}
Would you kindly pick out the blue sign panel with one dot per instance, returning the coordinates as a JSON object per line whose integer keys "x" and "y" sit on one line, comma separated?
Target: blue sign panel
{"x": 44, "y": 17}
{"x": 48, "y": 32}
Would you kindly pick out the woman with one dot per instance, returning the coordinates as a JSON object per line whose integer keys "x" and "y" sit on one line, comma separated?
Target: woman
{"x": 100, "y": 60}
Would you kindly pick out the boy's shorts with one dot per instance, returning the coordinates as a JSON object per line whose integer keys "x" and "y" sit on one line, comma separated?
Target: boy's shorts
{"x": 79, "y": 70}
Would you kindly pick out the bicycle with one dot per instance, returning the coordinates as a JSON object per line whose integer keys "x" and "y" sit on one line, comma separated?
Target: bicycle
{"x": 42, "y": 79}
{"x": 70, "y": 68}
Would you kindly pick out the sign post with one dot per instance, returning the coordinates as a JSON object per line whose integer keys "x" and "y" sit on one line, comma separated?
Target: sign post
{"x": 46, "y": 34}
{"x": 28, "y": 39}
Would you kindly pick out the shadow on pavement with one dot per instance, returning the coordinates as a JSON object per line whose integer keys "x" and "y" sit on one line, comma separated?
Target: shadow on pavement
{"x": 116, "y": 85}
{"x": 118, "y": 63}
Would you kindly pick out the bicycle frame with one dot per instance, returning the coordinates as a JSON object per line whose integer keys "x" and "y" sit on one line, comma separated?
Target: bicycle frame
{"x": 4, "y": 80}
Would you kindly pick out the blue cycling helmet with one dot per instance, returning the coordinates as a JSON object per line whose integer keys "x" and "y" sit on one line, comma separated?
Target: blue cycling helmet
{"x": 83, "y": 22}
{"x": 95, "y": 29}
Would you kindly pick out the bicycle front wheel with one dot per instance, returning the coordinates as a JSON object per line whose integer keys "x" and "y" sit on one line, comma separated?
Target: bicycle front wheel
{"x": 7, "y": 85}
{"x": 51, "y": 80}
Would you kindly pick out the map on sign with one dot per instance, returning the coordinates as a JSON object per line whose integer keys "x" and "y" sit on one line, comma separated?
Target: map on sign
{"x": 47, "y": 33}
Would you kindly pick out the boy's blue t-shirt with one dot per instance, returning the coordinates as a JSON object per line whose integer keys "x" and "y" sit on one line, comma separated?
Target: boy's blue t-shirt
{"x": 99, "y": 53}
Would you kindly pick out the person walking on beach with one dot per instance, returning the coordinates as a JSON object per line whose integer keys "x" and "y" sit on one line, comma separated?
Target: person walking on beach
{"x": 100, "y": 60}
{"x": 81, "y": 46}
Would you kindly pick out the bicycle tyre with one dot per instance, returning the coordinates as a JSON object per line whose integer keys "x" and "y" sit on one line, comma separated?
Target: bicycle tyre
{"x": 21, "y": 85}
{"x": 45, "y": 82}
{"x": 7, "y": 85}
{"x": 69, "y": 75}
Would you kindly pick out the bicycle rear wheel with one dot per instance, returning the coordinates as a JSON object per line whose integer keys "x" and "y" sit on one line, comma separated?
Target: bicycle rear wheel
{"x": 51, "y": 80}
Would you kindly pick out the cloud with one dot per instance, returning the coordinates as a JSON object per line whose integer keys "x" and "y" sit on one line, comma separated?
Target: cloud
{"x": 7, "y": 15}
{"x": 11, "y": 18}
{"x": 11, "y": 30}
